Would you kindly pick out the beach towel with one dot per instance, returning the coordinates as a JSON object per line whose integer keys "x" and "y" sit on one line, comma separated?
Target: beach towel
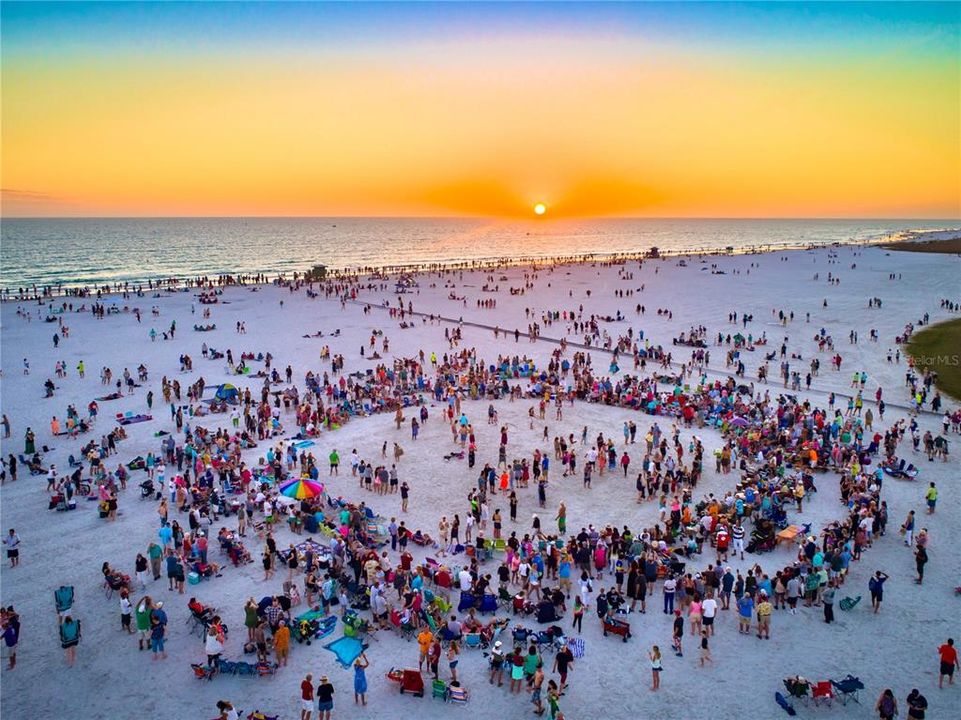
{"x": 128, "y": 419}
{"x": 782, "y": 701}
{"x": 347, "y": 649}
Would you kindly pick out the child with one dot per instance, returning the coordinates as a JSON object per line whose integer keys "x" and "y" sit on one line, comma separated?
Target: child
{"x": 705, "y": 650}
{"x": 655, "y": 656}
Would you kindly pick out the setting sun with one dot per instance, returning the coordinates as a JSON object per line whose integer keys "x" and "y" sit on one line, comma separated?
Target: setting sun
{"x": 540, "y": 209}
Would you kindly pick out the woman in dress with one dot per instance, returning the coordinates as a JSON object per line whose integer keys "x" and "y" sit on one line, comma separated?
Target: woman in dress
{"x": 360, "y": 679}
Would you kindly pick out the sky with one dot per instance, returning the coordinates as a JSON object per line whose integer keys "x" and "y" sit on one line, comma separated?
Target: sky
{"x": 366, "y": 109}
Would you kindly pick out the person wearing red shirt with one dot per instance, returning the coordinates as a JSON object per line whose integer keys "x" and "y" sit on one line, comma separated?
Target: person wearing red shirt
{"x": 307, "y": 697}
{"x": 949, "y": 661}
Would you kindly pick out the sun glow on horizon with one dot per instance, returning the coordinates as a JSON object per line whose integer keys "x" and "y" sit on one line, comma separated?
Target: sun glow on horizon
{"x": 634, "y": 110}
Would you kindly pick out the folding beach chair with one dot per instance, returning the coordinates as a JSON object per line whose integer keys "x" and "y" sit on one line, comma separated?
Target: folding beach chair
{"x": 439, "y": 690}
{"x": 822, "y": 690}
{"x": 63, "y": 598}
{"x": 848, "y": 603}
{"x": 457, "y": 694}
{"x": 848, "y": 689}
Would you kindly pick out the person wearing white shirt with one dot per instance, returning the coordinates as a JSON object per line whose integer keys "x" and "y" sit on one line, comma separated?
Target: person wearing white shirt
{"x": 213, "y": 646}
{"x": 126, "y": 610}
{"x": 708, "y": 613}
{"x": 465, "y": 580}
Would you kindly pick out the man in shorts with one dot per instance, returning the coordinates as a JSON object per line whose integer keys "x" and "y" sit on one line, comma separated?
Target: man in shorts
{"x": 737, "y": 539}
{"x": 709, "y": 612}
{"x": 12, "y": 541}
{"x": 307, "y": 697}
{"x": 424, "y": 639}
{"x": 563, "y": 662}
{"x": 949, "y": 661}
{"x": 745, "y": 610}
{"x": 536, "y": 682}
{"x": 497, "y": 664}
{"x": 142, "y": 612}
{"x": 764, "y": 609}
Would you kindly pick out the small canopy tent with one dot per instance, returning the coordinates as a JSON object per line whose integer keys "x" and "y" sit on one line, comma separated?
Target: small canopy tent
{"x": 228, "y": 393}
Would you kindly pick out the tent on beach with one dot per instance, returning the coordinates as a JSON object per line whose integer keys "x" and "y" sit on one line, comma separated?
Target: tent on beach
{"x": 228, "y": 393}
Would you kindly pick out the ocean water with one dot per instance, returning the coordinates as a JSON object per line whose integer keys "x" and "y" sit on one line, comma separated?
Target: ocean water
{"x": 82, "y": 252}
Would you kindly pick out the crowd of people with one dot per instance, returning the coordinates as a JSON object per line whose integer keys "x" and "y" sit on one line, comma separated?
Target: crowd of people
{"x": 218, "y": 475}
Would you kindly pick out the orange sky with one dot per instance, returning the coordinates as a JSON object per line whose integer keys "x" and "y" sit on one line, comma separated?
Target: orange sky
{"x": 592, "y": 124}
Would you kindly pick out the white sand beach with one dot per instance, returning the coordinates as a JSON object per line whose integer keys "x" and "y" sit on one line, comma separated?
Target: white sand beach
{"x": 896, "y": 648}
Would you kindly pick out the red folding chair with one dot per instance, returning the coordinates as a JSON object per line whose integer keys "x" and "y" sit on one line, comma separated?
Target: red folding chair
{"x": 822, "y": 691}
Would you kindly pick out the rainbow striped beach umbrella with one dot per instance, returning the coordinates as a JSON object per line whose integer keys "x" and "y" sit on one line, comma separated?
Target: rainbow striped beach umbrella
{"x": 301, "y": 488}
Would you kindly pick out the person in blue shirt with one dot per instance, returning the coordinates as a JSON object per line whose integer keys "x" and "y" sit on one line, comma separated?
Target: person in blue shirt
{"x": 727, "y": 585}
{"x": 745, "y": 610}
{"x": 166, "y": 535}
{"x": 876, "y": 586}
{"x": 764, "y": 585}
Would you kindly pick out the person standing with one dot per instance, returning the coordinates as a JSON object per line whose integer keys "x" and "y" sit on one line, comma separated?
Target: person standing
{"x": 745, "y": 610}
{"x": 705, "y": 648}
{"x": 886, "y": 706}
{"x": 142, "y": 612}
{"x": 250, "y": 618}
{"x": 140, "y": 565}
{"x": 917, "y": 705}
{"x": 764, "y": 609}
{"x": 360, "y": 679}
{"x": 325, "y": 698}
{"x": 158, "y": 631}
{"x": 155, "y": 553}
{"x": 656, "y": 667}
{"x": 12, "y": 541}
{"x": 931, "y": 496}
{"x": 536, "y": 684}
{"x": 827, "y": 597}
{"x": 949, "y": 662}
{"x": 678, "y": 637}
{"x": 126, "y": 610}
{"x": 563, "y": 664}
{"x": 452, "y": 654}
{"x": 876, "y": 586}
{"x": 307, "y": 697}
{"x": 907, "y": 528}
{"x": 242, "y": 520}
{"x": 10, "y": 628}
{"x": 282, "y": 643}
{"x": 920, "y": 560}
{"x": 670, "y": 585}
{"x": 69, "y": 638}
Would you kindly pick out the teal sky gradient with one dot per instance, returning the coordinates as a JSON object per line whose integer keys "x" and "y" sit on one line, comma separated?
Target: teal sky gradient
{"x": 120, "y": 28}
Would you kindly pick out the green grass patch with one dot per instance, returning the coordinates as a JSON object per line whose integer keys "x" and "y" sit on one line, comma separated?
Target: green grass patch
{"x": 948, "y": 246}
{"x": 938, "y": 348}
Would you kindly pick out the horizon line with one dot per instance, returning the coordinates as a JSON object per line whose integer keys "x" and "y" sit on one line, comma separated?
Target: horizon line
{"x": 956, "y": 219}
